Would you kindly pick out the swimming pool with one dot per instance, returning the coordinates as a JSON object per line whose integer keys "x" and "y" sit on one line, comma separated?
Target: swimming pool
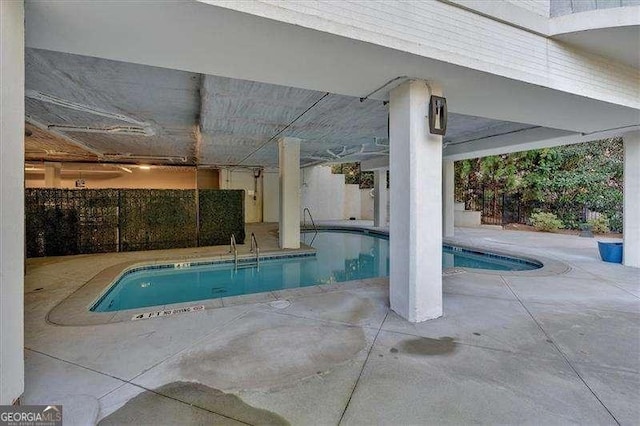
{"x": 341, "y": 256}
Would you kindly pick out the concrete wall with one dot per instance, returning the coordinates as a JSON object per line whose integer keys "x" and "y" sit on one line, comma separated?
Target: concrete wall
{"x": 323, "y": 193}
{"x": 98, "y": 177}
{"x": 329, "y": 198}
{"x": 270, "y": 197}
{"x": 366, "y": 204}
{"x": 566, "y": 7}
{"x": 243, "y": 179}
{"x": 539, "y": 7}
{"x": 352, "y": 202}
{"x": 208, "y": 179}
{"x": 456, "y": 35}
{"x": 466, "y": 218}
{"x": 11, "y": 201}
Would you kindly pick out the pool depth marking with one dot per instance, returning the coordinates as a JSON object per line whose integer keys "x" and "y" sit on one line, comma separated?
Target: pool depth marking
{"x": 167, "y": 312}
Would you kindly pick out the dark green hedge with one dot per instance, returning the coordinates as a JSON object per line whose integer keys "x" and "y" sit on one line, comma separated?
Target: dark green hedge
{"x": 157, "y": 219}
{"x": 76, "y": 221}
{"x": 62, "y": 222}
{"x": 221, "y": 214}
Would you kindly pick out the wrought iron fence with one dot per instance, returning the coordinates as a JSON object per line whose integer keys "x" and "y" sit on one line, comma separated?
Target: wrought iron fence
{"x": 70, "y": 221}
{"x": 502, "y": 208}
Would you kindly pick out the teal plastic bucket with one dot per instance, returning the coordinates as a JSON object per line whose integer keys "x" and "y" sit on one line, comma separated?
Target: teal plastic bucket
{"x": 610, "y": 252}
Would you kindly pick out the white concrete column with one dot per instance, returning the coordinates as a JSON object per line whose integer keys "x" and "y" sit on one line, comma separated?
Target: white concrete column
{"x": 415, "y": 229}
{"x": 11, "y": 201}
{"x": 289, "y": 159}
{"x": 631, "y": 210}
{"x": 448, "y": 197}
{"x": 52, "y": 172}
{"x": 380, "y": 197}
{"x": 224, "y": 179}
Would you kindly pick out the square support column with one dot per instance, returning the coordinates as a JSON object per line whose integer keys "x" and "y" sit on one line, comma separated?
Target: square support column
{"x": 52, "y": 175}
{"x": 448, "y": 197}
{"x": 12, "y": 201}
{"x": 289, "y": 160}
{"x": 415, "y": 229}
{"x": 631, "y": 210}
{"x": 381, "y": 197}
{"x": 224, "y": 178}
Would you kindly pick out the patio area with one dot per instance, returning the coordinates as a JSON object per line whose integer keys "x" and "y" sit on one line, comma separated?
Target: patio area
{"x": 510, "y": 348}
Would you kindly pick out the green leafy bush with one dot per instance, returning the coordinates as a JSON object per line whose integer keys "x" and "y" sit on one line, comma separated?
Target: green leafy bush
{"x": 73, "y": 221}
{"x": 546, "y": 222}
{"x": 599, "y": 225}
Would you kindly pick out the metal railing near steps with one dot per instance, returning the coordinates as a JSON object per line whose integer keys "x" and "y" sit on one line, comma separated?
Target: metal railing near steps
{"x": 233, "y": 248}
{"x": 313, "y": 224}
{"x": 255, "y": 249}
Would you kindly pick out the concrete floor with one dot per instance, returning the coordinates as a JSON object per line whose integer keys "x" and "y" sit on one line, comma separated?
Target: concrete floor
{"x": 510, "y": 349}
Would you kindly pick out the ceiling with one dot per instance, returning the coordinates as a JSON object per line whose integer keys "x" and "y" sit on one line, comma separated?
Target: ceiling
{"x": 82, "y": 108}
{"x": 621, "y": 44}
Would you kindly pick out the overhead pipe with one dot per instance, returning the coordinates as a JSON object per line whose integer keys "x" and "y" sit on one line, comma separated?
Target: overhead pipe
{"x": 44, "y": 97}
{"x": 121, "y": 130}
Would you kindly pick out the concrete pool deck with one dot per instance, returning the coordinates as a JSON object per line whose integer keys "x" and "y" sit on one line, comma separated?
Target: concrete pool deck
{"x": 548, "y": 349}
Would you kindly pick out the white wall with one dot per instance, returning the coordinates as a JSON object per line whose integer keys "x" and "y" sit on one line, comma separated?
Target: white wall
{"x": 99, "y": 177}
{"x": 329, "y": 198}
{"x": 243, "y": 179}
{"x": 270, "y": 197}
{"x": 442, "y": 31}
{"x": 352, "y": 202}
{"x": 11, "y": 201}
{"x": 366, "y": 204}
{"x": 323, "y": 193}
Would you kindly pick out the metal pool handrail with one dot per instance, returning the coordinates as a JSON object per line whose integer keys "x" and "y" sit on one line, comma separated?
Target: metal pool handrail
{"x": 233, "y": 248}
{"x": 304, "y": 219}
{"x": 254, "y": 245}
{"x": 304, "y": 223}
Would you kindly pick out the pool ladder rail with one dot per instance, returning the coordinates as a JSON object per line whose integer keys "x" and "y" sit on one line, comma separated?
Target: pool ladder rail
{"x": 233, "y": 248}
{"x": 313, "y": 224}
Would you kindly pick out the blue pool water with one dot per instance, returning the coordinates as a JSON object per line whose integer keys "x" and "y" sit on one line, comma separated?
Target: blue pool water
{"x": 341, "y": 256}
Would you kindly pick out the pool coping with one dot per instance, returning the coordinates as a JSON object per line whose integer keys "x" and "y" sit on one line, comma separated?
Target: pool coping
{"x": 74, "y": 309}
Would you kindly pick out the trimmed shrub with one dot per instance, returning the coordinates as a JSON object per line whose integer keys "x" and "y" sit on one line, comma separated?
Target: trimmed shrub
{"x": 73, "y": 221}
{"x": 221, "y": 214}
{"x": 546, "y": 222}
{"x": 599, "y": 225}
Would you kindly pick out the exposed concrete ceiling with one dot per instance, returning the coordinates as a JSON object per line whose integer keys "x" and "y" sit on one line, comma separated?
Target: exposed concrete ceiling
{"x": 114, "y": 108}
{"x": 90, "y": 109}
{"x": 44, "y": 145}
{"x": 197, "y": 37}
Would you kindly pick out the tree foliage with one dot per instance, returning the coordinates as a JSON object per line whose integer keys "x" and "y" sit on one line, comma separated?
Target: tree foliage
{"x": 353, "y": 174}
{"x": 563, "y": 180}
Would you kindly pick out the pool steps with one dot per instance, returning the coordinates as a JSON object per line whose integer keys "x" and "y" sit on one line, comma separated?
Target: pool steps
{"x": 233, "y": 248}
